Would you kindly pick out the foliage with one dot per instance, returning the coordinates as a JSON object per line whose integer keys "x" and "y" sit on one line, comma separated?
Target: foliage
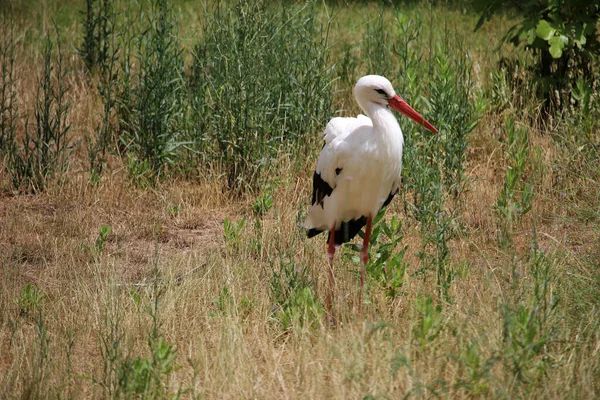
{"x": 430, "y": 321}
{"x": 47, "y": 145}
{"x": 8, "y": 96}
{"x": 144, "y": 375}
{"x": 260, "y": 85}
{"x": 516, "y": 197}
{"x": 232, "y": 231}
{"x": 554, "y": 26}
{"x": 455, "y": 107}
{"x": 478, "y": 370}
{"x": 102, "y": 236}
{"x": 562, "y": 34}
{"x": 100, "y": 51}
{"x": 98, "y": 22}
{"x": 263, "y": 203}
{"x": 30, "y": 300}
{"x": 295, "y": 304}
{"x": 386, "y": 265}
{"x": 151, "y": 106}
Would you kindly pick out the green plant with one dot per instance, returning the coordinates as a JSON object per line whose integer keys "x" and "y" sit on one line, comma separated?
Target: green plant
{"x": 260, "y": 86}
{"x": 30, "y": 299}
{"x": 524, "y": 341}
{"x": 232, "y": 231}
{"x": 346, "y": 68}
{"x": 295, "y": 304}
{"x": 102, "y": 236}
{"x": 99, "y": 24}
{"x": 302, "y": 310}
{"x": 435, "y": 168}
{"x": 100, "y": 50}
{"x": 172, "y": 210}
{"x": 378, "y": 41}
{"x": 224, "y": 301}
{"x": 8, "y": 96}
{"x": 46, "y": 147}
{"x": 151, "y": 106}
{"x": 36, "y": 380}
{"x": 516, "y": 197}
{"x": 477, "y": 370}
{"x": 453, "y": 108}
{"x": 386, "y": 266}
{"x": 111, "y": 342}
{"x": 144, "y": 375}
{"x": 148, "y": 377}
{"x": 263, "y": 203}
{"x": 139, "y": 172}
{"x": 429, "y": 323}
{"x": 531, "y": 323}
{"x": 562, "y": 35}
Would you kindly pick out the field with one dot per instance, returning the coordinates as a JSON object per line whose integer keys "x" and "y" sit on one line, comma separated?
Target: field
{"x": 157, "y": 162}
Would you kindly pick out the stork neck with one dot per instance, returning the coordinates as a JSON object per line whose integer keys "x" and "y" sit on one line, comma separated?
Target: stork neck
{"x": 383, "y": 119}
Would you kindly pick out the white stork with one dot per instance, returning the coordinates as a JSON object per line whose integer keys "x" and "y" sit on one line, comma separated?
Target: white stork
{"x": 358, "y": 171}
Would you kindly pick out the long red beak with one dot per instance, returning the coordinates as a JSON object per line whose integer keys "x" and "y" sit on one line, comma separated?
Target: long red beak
{"x": 398, "y": 104}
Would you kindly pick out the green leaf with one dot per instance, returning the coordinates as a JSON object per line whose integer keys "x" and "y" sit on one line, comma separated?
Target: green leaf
{"x": 580, "y": 38}
{"x": 544, "y": 30}
{"x": 557, "y": 43}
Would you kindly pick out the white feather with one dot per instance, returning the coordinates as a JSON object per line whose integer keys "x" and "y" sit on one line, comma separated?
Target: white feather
{"x": 368, "y": 151}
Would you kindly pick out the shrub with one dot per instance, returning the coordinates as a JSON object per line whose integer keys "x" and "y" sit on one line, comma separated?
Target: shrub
{"x": 562, "y": 35}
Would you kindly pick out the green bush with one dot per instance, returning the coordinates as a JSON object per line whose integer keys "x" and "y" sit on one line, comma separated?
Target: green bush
{"x": 562, "y": 34}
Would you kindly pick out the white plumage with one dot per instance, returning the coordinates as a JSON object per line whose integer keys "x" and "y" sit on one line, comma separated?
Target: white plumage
{"x": 358, "y": 171}
{"x": 369, "y": 160}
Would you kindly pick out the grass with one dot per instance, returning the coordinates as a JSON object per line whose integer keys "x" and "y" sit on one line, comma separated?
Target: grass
{"x": 484, "y": 279}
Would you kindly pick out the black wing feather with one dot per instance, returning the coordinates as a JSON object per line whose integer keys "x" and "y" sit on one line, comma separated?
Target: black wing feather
{"x": 321, "y": 189}
{"x": 346, "y": 231}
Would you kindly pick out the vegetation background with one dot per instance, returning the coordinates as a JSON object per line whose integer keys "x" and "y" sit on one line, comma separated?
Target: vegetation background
{"x": 157, "y": 159}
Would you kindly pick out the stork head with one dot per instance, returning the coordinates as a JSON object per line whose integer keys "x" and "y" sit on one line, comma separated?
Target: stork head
{"x": 376, "y": 90}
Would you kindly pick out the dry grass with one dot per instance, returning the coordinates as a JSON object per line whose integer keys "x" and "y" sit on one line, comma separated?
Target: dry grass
{"x": 228, "y": 344}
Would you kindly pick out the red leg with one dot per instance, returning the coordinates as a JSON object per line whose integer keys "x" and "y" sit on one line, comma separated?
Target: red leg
{"x": 364, "y": 259}
{"x": 331, "y": 253}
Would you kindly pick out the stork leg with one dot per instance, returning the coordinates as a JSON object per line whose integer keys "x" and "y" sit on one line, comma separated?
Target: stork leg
{"x": 331, "y": 253}
{"x": 364, "y": 253}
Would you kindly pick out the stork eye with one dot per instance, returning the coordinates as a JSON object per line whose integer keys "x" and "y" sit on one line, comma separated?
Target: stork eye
{"x": 382, "y": 92}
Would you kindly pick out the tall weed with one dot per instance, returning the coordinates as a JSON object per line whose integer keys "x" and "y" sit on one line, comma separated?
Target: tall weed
{"x": 531, "y": 323}
{"x": 295, "y": 304}
{"x": 34, "y": 160}
{"x": 386, "y": 266}
{"x": 99, "y": 29}
{"x": 516, "y": 196}
{"x": 151, "y": 106}
{"x": 260, "y": 86}
{"x": 9, "y": 110}
{"x": 100, "y": 51}
{"x": 433, "y": 171}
